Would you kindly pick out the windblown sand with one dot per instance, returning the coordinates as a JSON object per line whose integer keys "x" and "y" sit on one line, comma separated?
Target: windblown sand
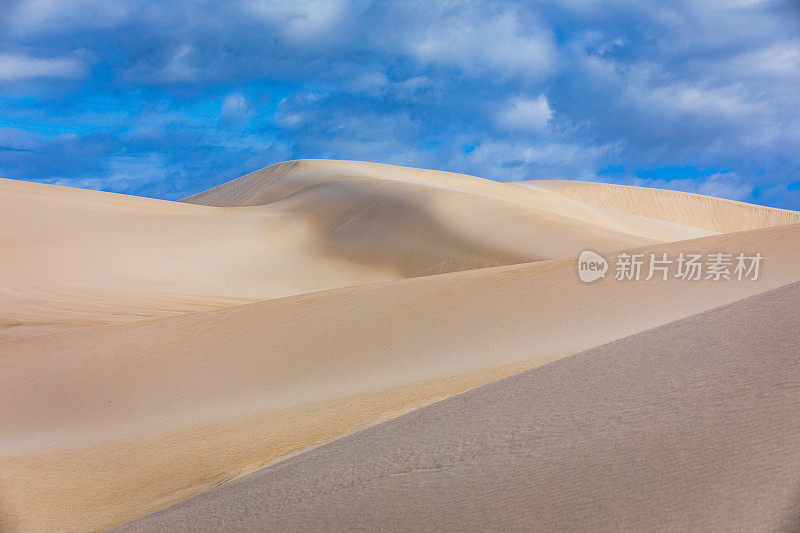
{"x": 152, "y": 350}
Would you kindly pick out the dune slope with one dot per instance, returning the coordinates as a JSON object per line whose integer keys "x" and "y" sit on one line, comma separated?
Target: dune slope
{"x": 226, "y": 391}
{"x": 692, "y": 425}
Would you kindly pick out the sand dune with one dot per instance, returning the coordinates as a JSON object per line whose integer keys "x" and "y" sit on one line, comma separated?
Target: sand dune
{"x": 694, "y": 425}
{"x": 86, "y": 257}
{"x": 714, "y": 214}
{"x": 152, "y": 350}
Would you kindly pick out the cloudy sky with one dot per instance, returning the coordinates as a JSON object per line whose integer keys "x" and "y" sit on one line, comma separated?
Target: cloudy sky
{"x": 167, "y": 100}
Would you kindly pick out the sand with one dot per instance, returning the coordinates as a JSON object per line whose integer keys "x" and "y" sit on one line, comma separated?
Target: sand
{"x": 694, "y": 425}
{"x": 86, "y": 257}
{"x": 152, "y": 350}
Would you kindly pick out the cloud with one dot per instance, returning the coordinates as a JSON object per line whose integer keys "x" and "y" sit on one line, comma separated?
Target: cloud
{"x": 728, "y": 185}
{"x": 780, "y": 61}
{"x": 236, "y": 107}
{"x": 18, "y": 140}
{"x": 300, "y": 20}
{"x": 32, "y": 17}
{"x": 178, "y": 68}
{"x": 15, "y": 67}
{"x": 473, "y": 43}
{"x": 526, "y": 114}
{"x": 297, "y": 111}
{"x": 695, "y": 99}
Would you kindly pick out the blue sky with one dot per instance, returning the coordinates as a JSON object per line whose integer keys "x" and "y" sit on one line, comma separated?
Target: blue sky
{"x": 172, "y": 98}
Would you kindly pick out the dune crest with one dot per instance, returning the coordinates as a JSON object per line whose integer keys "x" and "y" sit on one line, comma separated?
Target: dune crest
{"x": 713, "y": 214}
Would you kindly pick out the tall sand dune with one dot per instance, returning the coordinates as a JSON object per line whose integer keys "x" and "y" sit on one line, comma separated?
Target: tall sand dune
{"x": 152, "y": 350}
{"x": 694, "y": 425}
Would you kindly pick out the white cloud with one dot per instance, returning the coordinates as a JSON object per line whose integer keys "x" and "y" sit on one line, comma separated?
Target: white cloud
{"x": 724, "y": 101}
{"x": 14, "y": 67}
{"x": 543, "y": 159}
{"x": 293, "y": 112}
{"x": 728, "y": 185}
{"x": 776, "y": 62}
{"x": 474, "y": 43}
{"x": 300, "y": 20}
{"x": 526, "y": 114}
{"x": 644, "y": 85}
{"x": 235, "y": 107}
{"x": 377, "y": 84}
{"x": 371, "y": 83}
{"x": 39, "y": 16}
{"x": 179, "y": 67}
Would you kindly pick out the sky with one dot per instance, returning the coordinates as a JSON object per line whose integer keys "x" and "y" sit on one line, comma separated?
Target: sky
{"x": 167, "y": 99}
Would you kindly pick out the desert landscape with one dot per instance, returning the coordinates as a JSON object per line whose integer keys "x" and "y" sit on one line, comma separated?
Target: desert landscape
{"x": 339, "y": 345}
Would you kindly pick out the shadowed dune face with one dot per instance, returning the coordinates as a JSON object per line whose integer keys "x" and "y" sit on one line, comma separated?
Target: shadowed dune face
{"x": 661, "y": 430}
{"x": 174, "y": 346}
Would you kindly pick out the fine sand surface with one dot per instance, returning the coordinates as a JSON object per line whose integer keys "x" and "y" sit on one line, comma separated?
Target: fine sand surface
{"x": 694, "y": 425}
{"x": 152, "y": 350}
